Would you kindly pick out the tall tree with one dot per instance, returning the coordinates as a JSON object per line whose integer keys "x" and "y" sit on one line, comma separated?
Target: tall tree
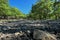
{"x": 42, "y": 9}
{"x": 56, "y": 12}
{"x": 7, "y": 11}
{"x": 4, "y": 8}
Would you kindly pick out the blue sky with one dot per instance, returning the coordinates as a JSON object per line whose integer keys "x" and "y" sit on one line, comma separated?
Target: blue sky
{"x": 23, "y": 5}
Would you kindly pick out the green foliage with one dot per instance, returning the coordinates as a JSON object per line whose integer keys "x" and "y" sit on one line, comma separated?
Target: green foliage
{"x": 56, "y": 12}
{"x": 7, "y": 11}
{"x": 3, "y": 7}
{"x": 45, "y": 9}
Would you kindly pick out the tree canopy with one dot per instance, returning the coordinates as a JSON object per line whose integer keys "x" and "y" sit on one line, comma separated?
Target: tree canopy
{"x": 45, "y": 9}
{"x": 7, "y": 11}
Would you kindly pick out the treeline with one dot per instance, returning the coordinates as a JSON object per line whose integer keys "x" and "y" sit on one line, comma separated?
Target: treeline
{"x": 9, "y": 12}
{"x": 45, "y": 9}
{"x": 41, "y": 10}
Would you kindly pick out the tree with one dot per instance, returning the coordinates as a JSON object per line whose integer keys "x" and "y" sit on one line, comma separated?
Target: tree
{"x": 7, "y": 11}
{"x": 56, "y": 12}
{"x": 16, "y": 13}
{"x": 42, "y": 9}
{"x": 4, "y": 7}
